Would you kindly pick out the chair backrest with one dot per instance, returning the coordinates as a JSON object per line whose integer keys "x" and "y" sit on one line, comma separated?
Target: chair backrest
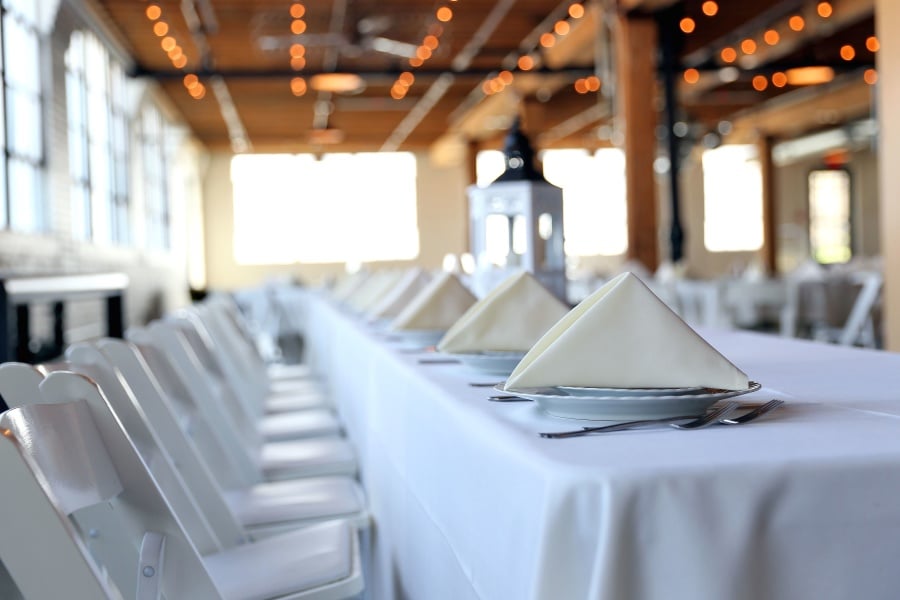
{"x": 137, "y": 362}
{"x": 861, "y": 313}
{"x": 158, "y": 462}
{"x": 237, "y": 436}
{"x": 216, "y": 350}
{"x": 83, "y": 465}
{"x": 182, "y": 476}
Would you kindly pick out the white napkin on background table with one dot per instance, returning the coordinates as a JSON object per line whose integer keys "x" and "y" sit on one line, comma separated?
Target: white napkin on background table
{"x": 623, "y": 336}
{"x": 397, "y": 298}
{"x": 511, "y": 318}
{"x": 437, "y": 307}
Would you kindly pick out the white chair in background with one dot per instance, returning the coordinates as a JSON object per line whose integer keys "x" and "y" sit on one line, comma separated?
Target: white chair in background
{"x": 236, "y": 433}
{"x": 136, "y": 395}
{"x": 859, "y": 326}
{"x": 222, "y": 353}
{"x": 71, "y": 458}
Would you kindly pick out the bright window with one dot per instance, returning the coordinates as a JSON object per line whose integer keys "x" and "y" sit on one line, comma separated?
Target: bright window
{"x": 23, "y": 135}
{"x": 829, "y": 216}
{"x": 339, "y": 208}
{"x": 732, "y": 192}
{"x": 98, "y": 141}
{"x": 594, "y": 213}
{"x": 155, "y": 179}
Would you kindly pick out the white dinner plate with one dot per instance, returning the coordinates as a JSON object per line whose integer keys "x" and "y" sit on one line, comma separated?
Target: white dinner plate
{"x": 617, "y": 404}
{"x": 419, "y": 337}
{"x": 490, "y": 363}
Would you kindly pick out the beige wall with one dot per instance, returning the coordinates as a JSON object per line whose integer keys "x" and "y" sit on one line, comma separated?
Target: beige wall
{"x": 887, "y": 24}
{"x": 442, "y": 216}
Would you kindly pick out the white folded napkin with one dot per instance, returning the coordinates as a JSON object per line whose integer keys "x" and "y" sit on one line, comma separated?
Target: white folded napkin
{"x": 372, "y": 290}
{"x": 397, "y": 298}
{"x": 623, "y": 336}
{"x": 511, "y": 318}
{"x": 437, "y": 307}
{"x": 344, "y": 288}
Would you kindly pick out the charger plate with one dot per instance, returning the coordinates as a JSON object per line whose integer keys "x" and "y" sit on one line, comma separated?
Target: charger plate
{"x": 490, "y": 363}
{"x": 625, "y": 404}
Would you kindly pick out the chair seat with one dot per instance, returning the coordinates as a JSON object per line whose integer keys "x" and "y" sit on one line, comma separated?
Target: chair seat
{"x": 285, "y": 564}
{"x": 294, "y": 386}
{"x": 303, "y": 424}
{"x": 299, "y": 500}
{"x": 293, "y": 401}
{"x": 307, "y": 458}
{"x": 282, "y": 371}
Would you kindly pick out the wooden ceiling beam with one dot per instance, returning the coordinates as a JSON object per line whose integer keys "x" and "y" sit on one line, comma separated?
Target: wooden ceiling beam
{"x": 803, "y": 111}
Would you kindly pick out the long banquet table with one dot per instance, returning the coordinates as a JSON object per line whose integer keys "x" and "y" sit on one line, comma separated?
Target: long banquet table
{"x": 468, "y": 501}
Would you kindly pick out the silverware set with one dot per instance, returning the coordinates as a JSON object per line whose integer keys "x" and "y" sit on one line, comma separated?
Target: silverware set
{"x": 722, "y": 414}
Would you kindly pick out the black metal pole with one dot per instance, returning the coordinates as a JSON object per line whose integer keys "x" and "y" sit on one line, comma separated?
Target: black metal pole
{"x": 669, "y": 42}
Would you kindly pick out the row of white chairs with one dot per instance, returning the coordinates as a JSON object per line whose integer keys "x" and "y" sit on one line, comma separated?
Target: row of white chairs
{"x": 176, "y": 465}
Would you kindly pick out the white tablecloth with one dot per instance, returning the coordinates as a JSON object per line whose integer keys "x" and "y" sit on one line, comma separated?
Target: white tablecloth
{"x": 469, "y": 502}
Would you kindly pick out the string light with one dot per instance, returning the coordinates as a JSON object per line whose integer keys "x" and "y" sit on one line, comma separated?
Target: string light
{"x": 297, "y": 10}
{"x": 168, "y": 43}
{"x": 797, "y": 23}
{"x": 872, "y": 44}
{"x": 847, "y": 52}
{"x": 180, "y": 62}
{"x": 525, "y": 63}
{"x": 771, "y": 37}
{"x": 748, "y": 46}
{"x": 444, "y": 14}
{"x": 779, "y": 79}
{"x": 431, "y": 41}
{"x": 153, "y": 12}
{"x": 870, "y": 76}
{"x": 687, "y": 25}
{"x": 760, "y": 83}
{"x": 298, "y": 26}
{"x": 298, "y": 86}
{"x": 298, "y": 63}
{"x": 729, "y": 54}
{"x": 824, "y": 9}
{"x": 298, "y": 50}
{"x": 710, "y": 8}
{"x": 692, "y": 76}
{"x": 548, "y": 40}
{"x": 576, "y": 11}
{"x": 581, "y": 86}
{"x": 506, "y": 77}
{"x": 561, "y": 27}
{"x": 160, "y": 28}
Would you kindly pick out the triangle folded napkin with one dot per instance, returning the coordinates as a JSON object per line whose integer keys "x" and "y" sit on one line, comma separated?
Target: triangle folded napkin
{"x": 623, "y": 336}
{"x": 397, "y": 298}
{"x": 511, "y": 318}
{"x": 348, "y": 284}
{"x": 437, "y": 307}
{"x": 372, "y": 290}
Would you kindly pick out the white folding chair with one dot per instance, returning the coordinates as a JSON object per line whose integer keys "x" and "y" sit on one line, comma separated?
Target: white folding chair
{"x": 221, "y": 354}
{"x": 139, "y": 400}
{"x": 220, "y": 320}
{"x": 73, "y": 460}
{"x": 236, "y": 432}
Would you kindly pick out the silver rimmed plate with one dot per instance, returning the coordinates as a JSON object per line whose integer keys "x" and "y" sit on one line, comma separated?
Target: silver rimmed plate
{"x": 591, "y": 392}
{"x": 490, "y": 363}
{"x": 617, "y": 404}
{"x": 419, "y": 337}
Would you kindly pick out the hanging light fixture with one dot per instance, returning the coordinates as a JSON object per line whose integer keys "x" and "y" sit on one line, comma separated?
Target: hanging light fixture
{"x": 338, "y": 83}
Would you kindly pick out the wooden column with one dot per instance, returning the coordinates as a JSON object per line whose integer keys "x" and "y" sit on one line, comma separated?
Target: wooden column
{"x": 636, "y": 44}
{"x": 471, "y": 165}
{"x": 770, "y": 234}
{"x": 887, "y": 22}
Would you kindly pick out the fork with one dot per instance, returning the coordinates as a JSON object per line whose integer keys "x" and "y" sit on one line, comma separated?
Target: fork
{"x": 753, "y": 414}
{"x": 722, "y": 411}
